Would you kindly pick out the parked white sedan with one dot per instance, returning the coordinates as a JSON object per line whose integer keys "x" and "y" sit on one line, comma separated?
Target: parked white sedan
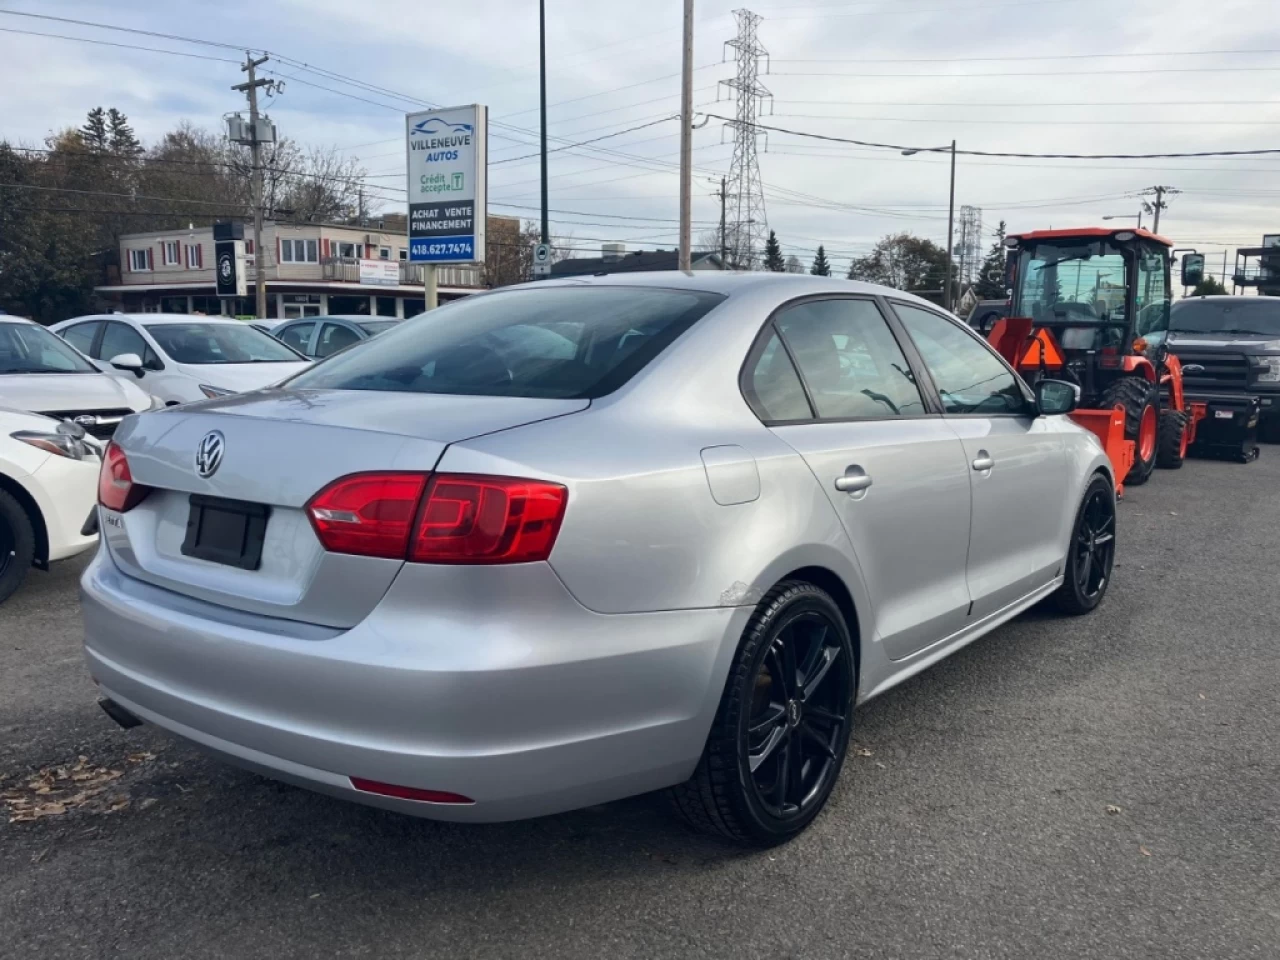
{"x": 180, "y": 358}
{"x": 48, "y": 487}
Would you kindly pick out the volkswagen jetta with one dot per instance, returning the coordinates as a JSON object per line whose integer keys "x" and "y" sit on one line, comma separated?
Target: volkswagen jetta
{"x": 564, "y": 543}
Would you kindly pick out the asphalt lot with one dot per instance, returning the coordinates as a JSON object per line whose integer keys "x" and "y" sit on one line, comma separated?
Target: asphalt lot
{"x": 978, "y": 826}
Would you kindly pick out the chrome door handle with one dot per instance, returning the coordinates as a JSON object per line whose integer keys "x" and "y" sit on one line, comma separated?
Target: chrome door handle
{"x": 983, "y": 461}
{"x": 855, "y": 480}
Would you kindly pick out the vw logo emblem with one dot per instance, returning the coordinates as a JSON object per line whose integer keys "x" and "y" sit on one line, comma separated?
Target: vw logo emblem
{"x": 209, "y": 454}
{"x": 86, "y": 420}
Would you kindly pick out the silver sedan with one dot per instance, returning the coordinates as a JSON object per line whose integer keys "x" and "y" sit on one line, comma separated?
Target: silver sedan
{"x": 569, "y": 542}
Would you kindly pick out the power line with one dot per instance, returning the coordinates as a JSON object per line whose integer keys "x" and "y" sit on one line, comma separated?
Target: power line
{"x": 1024, "y": 123}
{"x": 1036, "y": 57}
{"x": 135, "y": 30}
{"x": 996, "y": 153}
{"x": 110, "y": 43}
{"x": 583, "y": 143}
{"x": 1040, "y": 73}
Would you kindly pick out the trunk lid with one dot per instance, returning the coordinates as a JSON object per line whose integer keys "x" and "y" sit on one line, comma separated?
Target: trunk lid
{"x": 280, "y": 448}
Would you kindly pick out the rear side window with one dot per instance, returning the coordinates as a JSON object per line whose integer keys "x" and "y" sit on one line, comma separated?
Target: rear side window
{"x": 335, "y": 337}
{"x": 849, "y": 359}
{"x": 559, "y": 342}
{"x": 297, "y": 336}
{"x": 773, "y": 387}
{"x": 81, "y": 335}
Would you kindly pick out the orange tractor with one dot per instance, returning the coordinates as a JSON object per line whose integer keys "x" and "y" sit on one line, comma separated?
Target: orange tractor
{"x": 1091, "y": 306}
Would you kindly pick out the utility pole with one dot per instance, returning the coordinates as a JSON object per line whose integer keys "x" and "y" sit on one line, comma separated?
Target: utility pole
{"x": 542, "y": 83}
{"x": 1161, "y": 204}
{"x": 951, "y": 219}
{"x": 686, "y": 142}
{"x": 724, "y": 236}
{"x": 250, "y": 88}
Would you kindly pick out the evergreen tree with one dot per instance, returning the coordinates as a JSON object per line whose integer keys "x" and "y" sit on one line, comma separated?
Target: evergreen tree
{"x": 1209, "y": 287}
{"x": 94, "y": 131}
{"x": 990, "y": 285}
{"x": 122, "y": 139}
{"x": 773, "y": 254}
{"x": 820, "y": 268}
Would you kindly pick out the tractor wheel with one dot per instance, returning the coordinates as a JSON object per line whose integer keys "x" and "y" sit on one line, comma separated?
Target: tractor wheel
{"x": 1141, "y": 401}
{"x": 1172, "y": 449}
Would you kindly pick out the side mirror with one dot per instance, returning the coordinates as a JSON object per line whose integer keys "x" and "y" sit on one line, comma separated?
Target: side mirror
{"x": 1056, "y": 397}
{"x": 1192, "y": 269}
{"x": 130, "y": 362}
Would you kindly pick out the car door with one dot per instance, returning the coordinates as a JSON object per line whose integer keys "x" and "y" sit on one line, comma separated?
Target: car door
{"x": 892, "y": 469}
{"x": 1017, "y": 467}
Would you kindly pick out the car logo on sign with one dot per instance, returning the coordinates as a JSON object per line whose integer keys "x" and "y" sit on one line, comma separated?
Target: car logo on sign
{"x": 86, "y": 420}
{"x": 209, "y": 454}
{"x": 1192, "y": 368}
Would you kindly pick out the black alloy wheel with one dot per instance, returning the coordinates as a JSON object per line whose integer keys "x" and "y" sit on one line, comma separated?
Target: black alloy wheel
{"x": 798, "y": 716}
{"x": 1093, "y": 550}
{"x": 780, "y": 735}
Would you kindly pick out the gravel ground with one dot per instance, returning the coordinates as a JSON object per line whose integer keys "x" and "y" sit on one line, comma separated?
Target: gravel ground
{"x": 1106, "y": 787}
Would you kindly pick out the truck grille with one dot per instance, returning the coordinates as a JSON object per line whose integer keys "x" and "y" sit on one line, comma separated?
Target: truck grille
{"x": 97, "y": 423}
{"x": 1220, "y": 370}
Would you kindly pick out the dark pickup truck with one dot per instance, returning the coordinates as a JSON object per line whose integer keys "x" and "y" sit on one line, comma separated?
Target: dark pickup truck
{"x": 1230, "y": 350}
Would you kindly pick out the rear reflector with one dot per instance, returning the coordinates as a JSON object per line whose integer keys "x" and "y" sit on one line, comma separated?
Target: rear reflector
{"x": 407, "y": 793}
{"x": 482, "y": 519}
{"x": 116, "y": 489}
{"x": 368, "y": 514}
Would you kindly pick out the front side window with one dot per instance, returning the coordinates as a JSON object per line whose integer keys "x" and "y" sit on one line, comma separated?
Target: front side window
{"x": 969, "y": 377}
{"x": 27, "y": 348}
{"x": 335, "y": 337}
{"x": 120, "y": 338}
{"x": 557, "y": 342}
{"x": 849, "y": 360}
{"x": 211, "y": 343}
{"x": 81, "y": 335}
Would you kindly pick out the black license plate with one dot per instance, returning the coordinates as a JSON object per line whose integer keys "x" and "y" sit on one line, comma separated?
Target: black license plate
{"x": 230, "y": 532}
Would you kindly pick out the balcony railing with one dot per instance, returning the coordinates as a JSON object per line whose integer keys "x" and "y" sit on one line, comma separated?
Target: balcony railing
{"x": 347, "y": 270}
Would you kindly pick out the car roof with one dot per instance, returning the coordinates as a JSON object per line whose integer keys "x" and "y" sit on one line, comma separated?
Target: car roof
{"x": 8, "y": 318}
{"x": 731, "y": 283}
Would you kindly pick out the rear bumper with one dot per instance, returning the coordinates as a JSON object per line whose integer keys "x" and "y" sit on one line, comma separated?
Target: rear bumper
{"x": 508, "y": 692}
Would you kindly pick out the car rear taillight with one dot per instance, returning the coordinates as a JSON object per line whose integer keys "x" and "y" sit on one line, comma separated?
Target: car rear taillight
{"x": 368, "y": 514}
{"x": 116, "y": 489}
{"x": 459, "y": 518}
{"x": 481, "y": 519}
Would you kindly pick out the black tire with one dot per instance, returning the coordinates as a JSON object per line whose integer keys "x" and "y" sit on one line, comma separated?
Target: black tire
{"x": 725, "y": 795}
{"x": 1090, "y": 558}
{"x": 1173, "y": 427}
{"x": 17, "y": 545}
{"x": 1135, "y": 394}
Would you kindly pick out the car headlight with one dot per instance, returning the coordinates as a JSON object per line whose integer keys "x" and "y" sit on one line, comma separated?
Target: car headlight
{"x": 214, "y": 392}
{"x": 1267, "y": 369}
{"x": 62, "y": 444}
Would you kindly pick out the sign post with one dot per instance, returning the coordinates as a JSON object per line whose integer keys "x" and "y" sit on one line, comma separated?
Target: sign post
{"x": 448, "y": 190}
{"x": 542, "y": 260}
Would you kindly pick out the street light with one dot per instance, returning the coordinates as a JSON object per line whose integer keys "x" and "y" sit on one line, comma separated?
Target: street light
{"x": 951, "y": 211}
{"x": 1145, "y": 208}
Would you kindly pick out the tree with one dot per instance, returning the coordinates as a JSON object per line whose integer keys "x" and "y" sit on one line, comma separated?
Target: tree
{"x": 905, "y": 262}
{"x": 990, "y": 285}
{"x": 794, "y": 265}
{"x": 123, "y": 143}
{"x": 1209, "y": 287}
{"x": 94, "y": 131}
{"x": 820, "y": 268}
{"x": 773, "y": 254}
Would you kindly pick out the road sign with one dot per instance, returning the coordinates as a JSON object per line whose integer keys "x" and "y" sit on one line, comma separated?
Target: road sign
{"x": 448, "y": 195}
{"x": 542, "y": 260}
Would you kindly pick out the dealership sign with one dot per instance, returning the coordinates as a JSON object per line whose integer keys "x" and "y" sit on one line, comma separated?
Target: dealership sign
{"x": 447, "y": 189}
{"x": 380, "y": 273}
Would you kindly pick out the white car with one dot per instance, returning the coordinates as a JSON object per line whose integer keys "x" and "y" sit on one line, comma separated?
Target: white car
{"x": 48, "y": 489}
{"x": 43, "y": 374}
{"x": 180, "y": 357}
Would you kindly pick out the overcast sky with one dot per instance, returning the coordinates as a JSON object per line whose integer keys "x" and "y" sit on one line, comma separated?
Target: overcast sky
{"x": 1138, "y": 76}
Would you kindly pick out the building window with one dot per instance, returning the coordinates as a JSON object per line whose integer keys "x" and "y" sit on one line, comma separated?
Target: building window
{"x": 195, "y": 259}
{"x": 299, "y": 251}
{"x": 171, "y": 251}
{"x": 404, "y": 254}
{"x": 140, "y": 260}
{"x": 384, "y": 253}
{"x": 347, "y": 251}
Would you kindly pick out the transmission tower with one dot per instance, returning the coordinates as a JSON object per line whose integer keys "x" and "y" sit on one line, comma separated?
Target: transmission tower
{"x": 747, "y": 224}
{"x": 969, "y": 248}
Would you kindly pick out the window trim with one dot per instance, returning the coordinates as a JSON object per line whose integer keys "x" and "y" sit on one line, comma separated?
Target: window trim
{"x": 928, "y": 393}
{"x": 1028, "y": 395}
{"x": 177, "y": 253}
{"x": 146, "y": 257}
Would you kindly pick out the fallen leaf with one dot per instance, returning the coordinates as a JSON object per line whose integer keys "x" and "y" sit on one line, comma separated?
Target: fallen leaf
{"x": 147, "y": 803}
{"x": 1112, "y": 808}
{"x": 313, "y": 896}
{"x": 1203, "y": 697}
{"x": 1144, "y": 851}
{"x": 861, "y": 752}
{"x": 119, "y": 803}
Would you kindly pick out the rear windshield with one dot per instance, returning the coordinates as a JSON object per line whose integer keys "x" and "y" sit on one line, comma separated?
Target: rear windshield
{"x": 1245, "y": 316}
{"x": 206, "y": 343}
{"x": 558, "y": 342}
